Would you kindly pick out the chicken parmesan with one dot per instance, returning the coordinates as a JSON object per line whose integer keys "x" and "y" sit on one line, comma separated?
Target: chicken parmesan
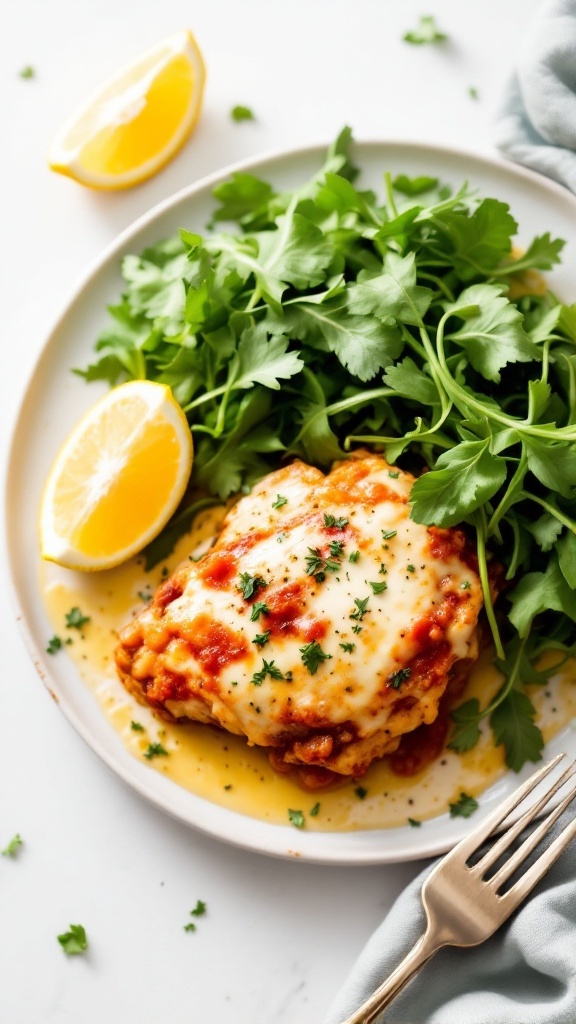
{"x": 324, "y": 624}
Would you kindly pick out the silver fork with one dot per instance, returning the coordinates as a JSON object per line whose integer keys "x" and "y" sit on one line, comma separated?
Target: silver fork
{"x": 463, "y": 907}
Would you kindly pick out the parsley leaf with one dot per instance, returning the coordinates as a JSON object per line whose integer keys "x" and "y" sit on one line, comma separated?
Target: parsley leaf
{"x": 296, "y": 818}
{"x": 312, "y": 656}
{"x": 464, "y": 807}
{"x": 512, "y": 724}
{"x": 495, "y": 335}
{"x": 465, "y": 478}
{"x": 27, "y": 72}
{"x": 54, "y": 645}
{"x": 258, "y": 608}
{"x": 240, "y": 113}
{"x": 155, "y": 750}
{"x": 361, "y": 608}
{"x": 261, "y": 638}
{"x": 74, "y": 941}
{"x": 425, "y": 32}
{"x": 394, "y": 293}
{"x": 268, "y": 669}
{"x": 12, "y": 848}
{"x": 339, "y": 524}
{"x": 347, "y": 647}
{"x": 136, "y": 726}
{"x": 75, "y": 619}
{"x": 199, "y": 909}
{"x": 250, "y": 585}
{"x": 314, "y": 810}
{"x": 280, "y": 501}
{"x": 395, "y": 679}
{"x": 466, "y": 732}
{"x": 378, "y": 588}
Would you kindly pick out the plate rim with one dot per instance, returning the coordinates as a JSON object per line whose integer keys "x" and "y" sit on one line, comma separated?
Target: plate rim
{"x": 274, "y": 840}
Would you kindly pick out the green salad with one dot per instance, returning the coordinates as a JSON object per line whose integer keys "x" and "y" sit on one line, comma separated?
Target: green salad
{"x": 330, "y": 318}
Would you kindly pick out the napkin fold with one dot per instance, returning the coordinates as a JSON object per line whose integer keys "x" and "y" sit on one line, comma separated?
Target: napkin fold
{"x": 536, "y": 124}
{"x": 524, "y": 974}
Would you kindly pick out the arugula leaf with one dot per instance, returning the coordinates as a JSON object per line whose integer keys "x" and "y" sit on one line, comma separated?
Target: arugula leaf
{"x": 554, "y": 465}
{"x": 566, "y": 550}
{"x": 466, "y": 477}
{"x": 495, "y": 336}
{"x": 425, "y": 32}
{"x": 538, "y": 592}
{"x": 512, "y": 724}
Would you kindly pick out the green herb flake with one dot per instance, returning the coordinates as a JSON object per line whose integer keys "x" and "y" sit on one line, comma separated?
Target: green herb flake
{"x": 280, "y": 501}
{"x": 354, "y": 556}
{"x": 338, "y": 524}
{"x": 145, "y": 596}
{"x": 349, "y": 648}
{"x": 296, "y": 818}
{"x": 250, "y": 585}
{"x": 473, "y": 92}
{"x": 268, "y": 669}
{"x": 155, "y": 750}
{"x": 356, "y": 629}
{"x": 465, "y": 585}
{"x": 395, "y": 679}
{"x": 394, "y": 475}
{"x": 336, "y": 548}
{"x": 27, "y": 72}
{"x": 312, "y": 656}
{"x": 241, "y": 113}
{"x": 414, "y": 823}
{"x": 136, "y": 726}
{"x": 378, "y": 588}
{"x": 410, "y": 568}
{"x": 199, "y": 909}
{"x": 361, "y": 608}
{"x": 464, "y": 807}
{"x": 190, "y": 927}
{"x": 261, "y": 638}
{"x": 74, "y": 941}
{"x": 426, "y": 32}
{"x": 361, "y": 792}
{"x": 54, "y": 645}
{"x": 388, "y": 534}
{"x": 314, "y": 810}
{"x": 75, "y": 619}
{"x": 13, "y": 846}
{"x": 258, "y": 608}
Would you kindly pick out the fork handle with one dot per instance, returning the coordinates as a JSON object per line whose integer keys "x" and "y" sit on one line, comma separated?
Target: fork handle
{"x": 424, "y": 949}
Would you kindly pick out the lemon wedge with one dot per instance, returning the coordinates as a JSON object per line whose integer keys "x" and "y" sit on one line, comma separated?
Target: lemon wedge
{"x": 118, "y": 479}
{"x": 136, "y": 122}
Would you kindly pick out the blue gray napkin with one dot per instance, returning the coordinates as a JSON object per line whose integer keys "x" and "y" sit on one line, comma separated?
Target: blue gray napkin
{"x": 536, "y": 124}
{"x": 525, "y": 974}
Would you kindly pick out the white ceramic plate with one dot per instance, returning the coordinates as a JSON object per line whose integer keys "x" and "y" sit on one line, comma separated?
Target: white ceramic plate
{"x": 55, "y": 399}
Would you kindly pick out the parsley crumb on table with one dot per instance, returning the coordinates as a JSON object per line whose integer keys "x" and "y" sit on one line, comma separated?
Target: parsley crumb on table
{"x": 13, "y": 846}
{"x": 74, "y": 941}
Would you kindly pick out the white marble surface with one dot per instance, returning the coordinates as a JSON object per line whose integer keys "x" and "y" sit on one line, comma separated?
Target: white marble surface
{"x": 279, "y": 937}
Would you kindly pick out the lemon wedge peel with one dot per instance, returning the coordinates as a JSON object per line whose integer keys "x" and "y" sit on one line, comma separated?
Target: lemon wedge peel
{"x": 152, "y": 105}
{"x": 118, "y": 479}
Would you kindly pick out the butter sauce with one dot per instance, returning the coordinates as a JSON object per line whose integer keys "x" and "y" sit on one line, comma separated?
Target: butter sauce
{"x": 221, "y": 767}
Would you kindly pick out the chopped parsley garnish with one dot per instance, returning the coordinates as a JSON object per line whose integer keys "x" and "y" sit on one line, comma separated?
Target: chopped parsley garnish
{"x": 397, "y": 678}
{"x": 314, "y": 810}
{"x": 317, "y": 566}
{"x": 465, "y": 585}
{"x": 339, "y": 524}
{"x": 155, "y": 750}
{"x": 388, "y": 534}
{"x": 262, "y": 638}
{"x": 473, "y": 92}
{"x": 313, "y": 656}
{"x": 250, "y": 585}
{"x": 268, "y": 669}
{"x": 74, "y": 941}
{"x": 361, "y": 608}
{"x": 425, "y": 32}
{"x": 27, "y": 72}
{"x": 190, "y": 927}
{"x": 394, "y": 475}
{"x": 356, "y": 629}
{"x": 378, "y": 588}
{"x": 414, "y": 822}
{"x": 336, "y": 548}
{"x": 136, "y": 727}
{"x": 296, "y": 818}
{"x": 145, "y": 595}
{"x": 382, "y": 570}
{"x": 465, "y": 806}
{"x": 258, "y": 608}
{"x": 54, "y": 644}
{"x": 280, "y": 501}
{"x": 411, "y": 568}
{"x": 354, "y": 556}
{"x": 199, "y": 909}
{"x": 75, "y": 619}
{"x": 241, "y": 113}
{"x": 13, "y": 846}
{"x": 361, "y": 792}
{"x": 347, "y": 647}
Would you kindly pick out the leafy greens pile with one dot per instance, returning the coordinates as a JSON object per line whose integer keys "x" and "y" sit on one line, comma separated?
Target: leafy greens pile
{"x": 331, "y": 319}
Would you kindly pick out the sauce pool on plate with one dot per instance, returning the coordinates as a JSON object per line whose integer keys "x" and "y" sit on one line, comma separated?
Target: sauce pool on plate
{"x": 221, "y": 767}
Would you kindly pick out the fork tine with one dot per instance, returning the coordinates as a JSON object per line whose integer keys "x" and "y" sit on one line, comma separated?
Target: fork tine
{"x": 520, "y": 890}
{"x": 530, "y": 843}
{"x": 496, "y": 851}
{"x": 467, "y": 846}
